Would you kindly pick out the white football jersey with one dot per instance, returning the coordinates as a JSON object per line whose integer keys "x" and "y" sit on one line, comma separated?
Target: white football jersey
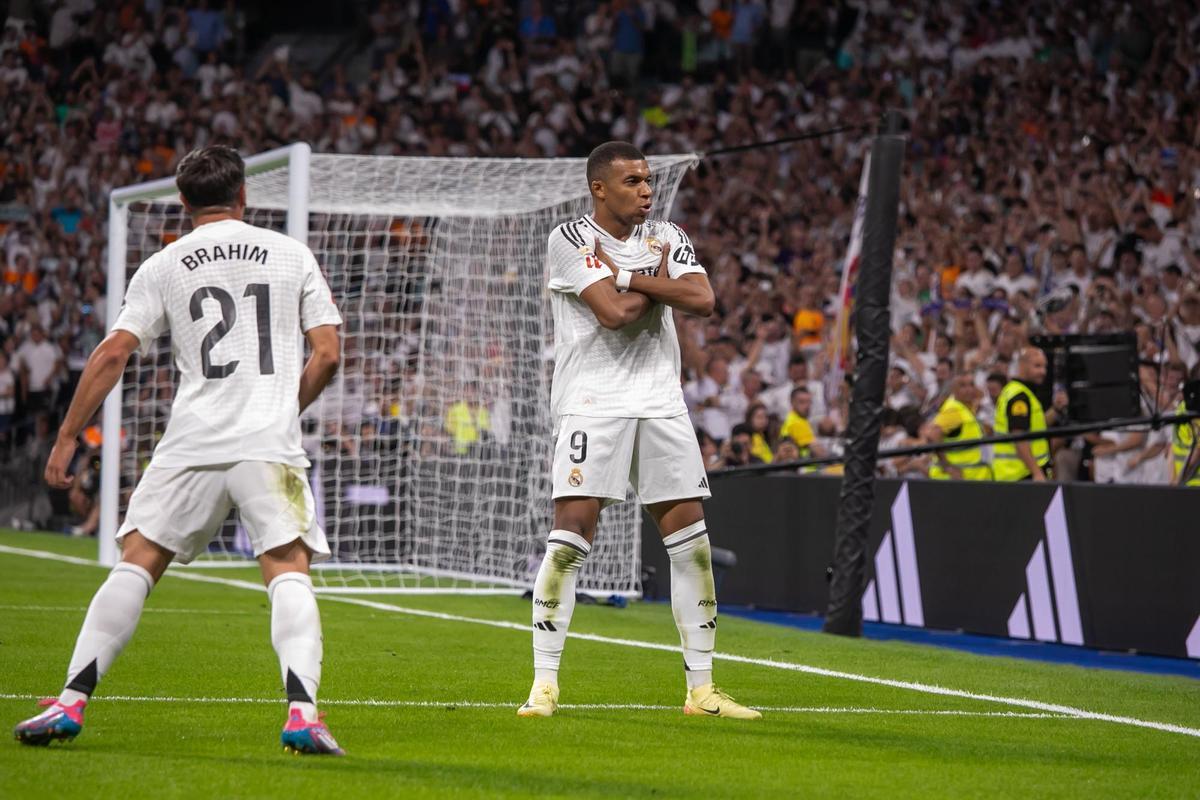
{"x": 629, "y": 372}
{"x": 236, "y": 300}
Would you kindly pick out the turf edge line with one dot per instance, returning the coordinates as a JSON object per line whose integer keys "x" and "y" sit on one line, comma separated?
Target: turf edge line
{"x": 1053, "y": 708}
{"x": 453, "y": 704}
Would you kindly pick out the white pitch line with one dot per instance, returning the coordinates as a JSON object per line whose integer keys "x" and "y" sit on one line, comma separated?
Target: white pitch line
{"x": 453, "y": 704}
{"x": 926, "y": 688}
{"x": 222, "y": 611}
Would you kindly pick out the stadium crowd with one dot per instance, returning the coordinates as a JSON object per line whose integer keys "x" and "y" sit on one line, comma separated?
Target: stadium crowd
{"x": 1051, "y": 184}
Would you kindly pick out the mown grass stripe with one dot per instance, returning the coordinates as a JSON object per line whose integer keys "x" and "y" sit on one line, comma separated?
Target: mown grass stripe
{"x": 1020, "y": 702}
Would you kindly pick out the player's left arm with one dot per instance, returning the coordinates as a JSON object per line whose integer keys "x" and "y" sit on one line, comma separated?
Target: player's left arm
{"x": 690, "y": 293}
{"x": 319, "y": 319}
{"x": 104, "y": 368}
{"x": 681, "y": 282}
{"x": 326, "y": 346}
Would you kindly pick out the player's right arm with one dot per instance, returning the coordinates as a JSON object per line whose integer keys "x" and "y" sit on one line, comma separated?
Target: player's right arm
{"x": 142, "y": 320}
{"x": 104, "y": 368}
{"x": 613, "y": 309}
{"x": 575, "y": 269}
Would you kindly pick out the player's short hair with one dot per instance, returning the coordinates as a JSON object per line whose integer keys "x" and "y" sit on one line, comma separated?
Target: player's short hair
{"x": 210, "y": 176}
{"x": 604, "y": 155}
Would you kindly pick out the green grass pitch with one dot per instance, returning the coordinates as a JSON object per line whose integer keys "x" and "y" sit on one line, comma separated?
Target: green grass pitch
{"x": 425, "y": 706}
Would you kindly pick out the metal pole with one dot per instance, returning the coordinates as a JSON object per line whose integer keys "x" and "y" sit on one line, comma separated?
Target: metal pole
{"x": 300, "y": 156}
{"x": 110, "y": 445}
{"x": 873, "y": 330}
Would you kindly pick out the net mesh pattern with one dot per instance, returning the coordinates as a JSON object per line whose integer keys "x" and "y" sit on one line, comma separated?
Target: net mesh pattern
{"x": 431, "y": 448}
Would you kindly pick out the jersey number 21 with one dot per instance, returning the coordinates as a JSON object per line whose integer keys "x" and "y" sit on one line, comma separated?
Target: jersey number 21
{"x": 261, "y": 292}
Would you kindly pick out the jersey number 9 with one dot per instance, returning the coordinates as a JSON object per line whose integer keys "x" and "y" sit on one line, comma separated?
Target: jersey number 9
{"x": 579, "y": 445}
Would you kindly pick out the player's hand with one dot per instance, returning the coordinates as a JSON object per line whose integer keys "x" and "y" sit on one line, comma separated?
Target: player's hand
{"x": 662, "y": 262}
{"x": 604, "y": 259}
{"x": 56, "y": 466}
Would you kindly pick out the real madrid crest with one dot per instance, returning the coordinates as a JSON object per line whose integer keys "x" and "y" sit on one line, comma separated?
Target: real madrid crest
{"x": 654, "y": 245}
{"x": 586, "y": 250}
{"x": 575, "y": 478}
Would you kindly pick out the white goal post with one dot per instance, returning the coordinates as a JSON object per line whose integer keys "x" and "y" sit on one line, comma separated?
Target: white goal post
{"x": 431, "y": 448}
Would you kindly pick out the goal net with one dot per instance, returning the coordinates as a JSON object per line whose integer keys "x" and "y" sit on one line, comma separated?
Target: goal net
{"x": 431, "y": 448}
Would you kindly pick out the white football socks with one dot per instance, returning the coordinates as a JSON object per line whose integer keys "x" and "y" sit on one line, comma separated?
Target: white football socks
{"x": 111, "y": 620}
{"x": 554, "y": 601}
{"x": 693, "y": 600}
{"x": 296, "y": 635}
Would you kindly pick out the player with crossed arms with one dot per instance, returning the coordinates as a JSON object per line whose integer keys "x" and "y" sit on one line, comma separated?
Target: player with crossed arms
{"x": 614, "y": 277}
{"x": 235, "y": 299}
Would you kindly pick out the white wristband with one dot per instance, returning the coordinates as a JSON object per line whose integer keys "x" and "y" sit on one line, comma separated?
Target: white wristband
{"x": 623, "y": 278}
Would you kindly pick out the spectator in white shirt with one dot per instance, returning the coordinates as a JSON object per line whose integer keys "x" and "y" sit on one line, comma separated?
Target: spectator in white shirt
{"x": 1160, "y": 248}
{"x": 1080, "y": 274}
{"x": 709, "y": 398}
{"x": 977, "y": 278}
{"x": 8, "y": 396}
{"x": 778, "y": 399}
{"x": 903, "y": 389}
{"x": 1014, "y": 278}
{"x": 40, "y": 362}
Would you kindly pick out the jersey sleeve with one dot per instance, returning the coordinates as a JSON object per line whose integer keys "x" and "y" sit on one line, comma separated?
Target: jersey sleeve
{"x": 949, "y": 420}
{"x": 570, "y": 263}
{"x": 1018, "y": 413}
{"x": 316, "y": 303}
{"x": 682, "y": 260}
{"x": 144, "y": 312}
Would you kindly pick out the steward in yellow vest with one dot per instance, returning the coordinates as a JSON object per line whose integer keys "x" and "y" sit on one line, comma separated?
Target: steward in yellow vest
{"x": 1018, "y": 410}
{"x": 1183, "y": 445}
{"x": 956, "y": 421}
{"x": 797, "y": 428}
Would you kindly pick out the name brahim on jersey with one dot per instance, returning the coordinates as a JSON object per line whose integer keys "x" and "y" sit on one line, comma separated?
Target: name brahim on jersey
{"x": 230, "y": 251}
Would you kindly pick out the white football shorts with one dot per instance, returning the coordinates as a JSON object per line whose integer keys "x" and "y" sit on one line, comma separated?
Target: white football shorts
{"x": 601, "y": 456}
{"x": 182, "y": 508}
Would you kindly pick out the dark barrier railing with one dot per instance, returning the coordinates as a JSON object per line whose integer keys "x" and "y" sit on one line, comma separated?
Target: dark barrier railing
{"x": 1155, "y": 422}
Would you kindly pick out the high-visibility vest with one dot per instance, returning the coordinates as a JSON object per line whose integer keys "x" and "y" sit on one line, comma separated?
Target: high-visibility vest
{"x": 796, "y": 428}
{"x": 1006, "y": 464}
{"x": 1182, "y": 440}
{"x": 968, "y": 459}
{"x": 760, "y": 448}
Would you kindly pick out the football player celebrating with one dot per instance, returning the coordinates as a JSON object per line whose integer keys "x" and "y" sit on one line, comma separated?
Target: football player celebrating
{"x": 615, "y": 277}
